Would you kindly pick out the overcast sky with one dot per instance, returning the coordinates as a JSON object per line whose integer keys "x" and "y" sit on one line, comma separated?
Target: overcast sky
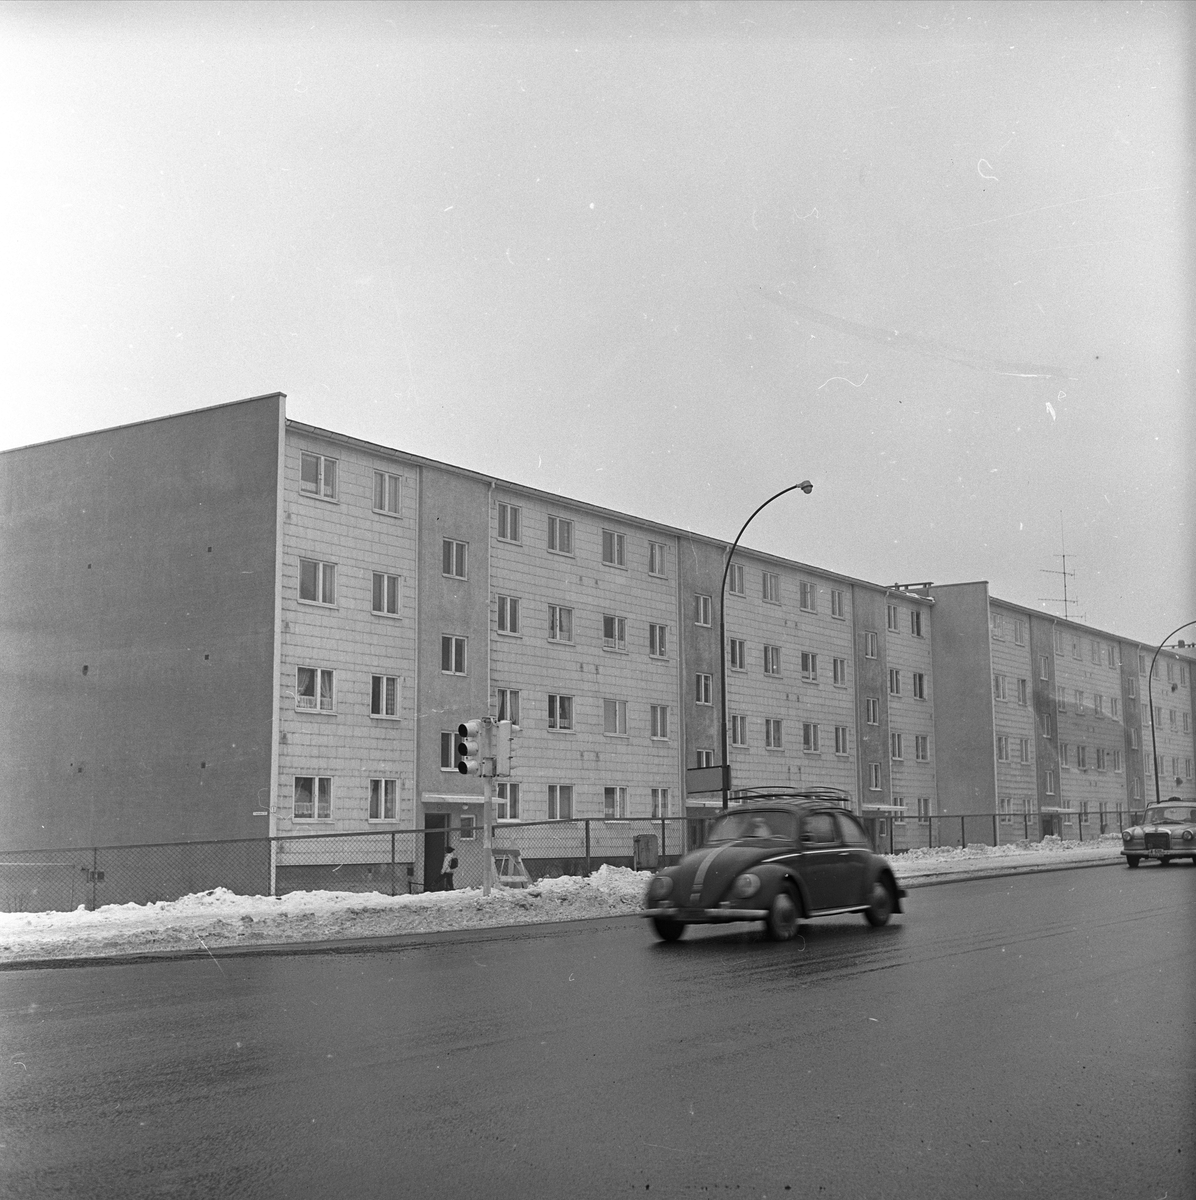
{"x": 666, "y": 258}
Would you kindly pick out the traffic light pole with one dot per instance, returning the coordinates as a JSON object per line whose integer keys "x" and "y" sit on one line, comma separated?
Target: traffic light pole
{"x": 488, "y": 809}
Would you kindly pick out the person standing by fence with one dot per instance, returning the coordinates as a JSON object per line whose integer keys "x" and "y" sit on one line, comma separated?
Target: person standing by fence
{"x": 447, "y": 867}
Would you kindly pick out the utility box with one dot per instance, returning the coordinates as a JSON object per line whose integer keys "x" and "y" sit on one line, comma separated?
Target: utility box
{"x": 645, "y": 852}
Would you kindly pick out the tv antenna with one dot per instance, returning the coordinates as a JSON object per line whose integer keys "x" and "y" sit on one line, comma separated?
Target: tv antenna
{"x": 1066, "y": 574}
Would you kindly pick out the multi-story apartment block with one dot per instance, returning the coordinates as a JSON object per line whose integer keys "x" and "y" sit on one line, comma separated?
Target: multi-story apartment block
{"x": 226, "y": 624}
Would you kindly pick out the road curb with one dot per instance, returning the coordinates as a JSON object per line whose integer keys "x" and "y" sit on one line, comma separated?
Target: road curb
{"x": 964, "y": 876}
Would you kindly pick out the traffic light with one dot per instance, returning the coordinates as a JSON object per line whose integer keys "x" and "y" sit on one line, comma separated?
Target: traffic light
{"x": 469, "y": 747}
{"x": 503, "y": 752}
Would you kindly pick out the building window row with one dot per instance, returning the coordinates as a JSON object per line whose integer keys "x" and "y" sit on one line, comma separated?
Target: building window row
{"x": 315, "y": 691}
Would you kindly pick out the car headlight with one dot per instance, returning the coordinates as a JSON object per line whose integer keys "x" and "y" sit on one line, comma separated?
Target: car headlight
{"x": 1188, "y": 835}
{"x": 1127, "y": 835}
{"x": 745, "y": 885}
{"x": 659, "y": 887}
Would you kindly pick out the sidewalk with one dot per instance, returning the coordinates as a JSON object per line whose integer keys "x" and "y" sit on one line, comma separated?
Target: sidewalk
{"x": 219, "y": 919}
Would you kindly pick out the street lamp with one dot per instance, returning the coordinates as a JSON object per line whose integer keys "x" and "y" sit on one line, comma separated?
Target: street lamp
{"x": 807, "y": 487}
{"x": 1154, "y": 750}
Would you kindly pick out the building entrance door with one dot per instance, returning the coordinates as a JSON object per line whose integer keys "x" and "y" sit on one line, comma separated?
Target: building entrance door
{"x": 435, "y": 838}
{"x": 1052, "y": 825}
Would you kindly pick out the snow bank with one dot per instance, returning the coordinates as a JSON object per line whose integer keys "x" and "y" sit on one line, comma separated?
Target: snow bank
{"x": 220, "y": 918}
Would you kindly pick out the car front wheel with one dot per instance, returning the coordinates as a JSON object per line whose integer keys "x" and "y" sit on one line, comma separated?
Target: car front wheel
{"x": 667, "y": 929}
{"x": 1132, "y": 860}
{"x": 783, "y": 916}
{"x": 880, "y": 904}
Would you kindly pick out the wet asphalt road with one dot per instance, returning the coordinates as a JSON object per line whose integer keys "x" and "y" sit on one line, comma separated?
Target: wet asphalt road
{"x": 1028, "y": 1036}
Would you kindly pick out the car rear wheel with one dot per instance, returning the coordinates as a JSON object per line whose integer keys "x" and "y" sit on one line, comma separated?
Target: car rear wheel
{"x": 1132, "y": 860}
{"x": 783, "y": 916}
{"x": 667, "y": 929}
{"x": 880, "y": 904}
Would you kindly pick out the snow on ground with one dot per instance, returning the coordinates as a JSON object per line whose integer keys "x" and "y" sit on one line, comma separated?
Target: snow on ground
{"x": 220, "y": 918}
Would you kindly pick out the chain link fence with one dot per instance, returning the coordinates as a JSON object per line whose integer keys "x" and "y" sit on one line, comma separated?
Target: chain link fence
{"x": 400, "y": 862}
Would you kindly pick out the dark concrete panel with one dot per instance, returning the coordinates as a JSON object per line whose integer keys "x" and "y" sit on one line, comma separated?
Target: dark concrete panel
{"x": 137, "y": 630}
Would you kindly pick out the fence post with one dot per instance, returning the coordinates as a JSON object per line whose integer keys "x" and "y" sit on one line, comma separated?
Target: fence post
{"x": 392, "y": 863}
{"x": 1025, "y": 827}
{"x": 995, "y": 842}
{"x": 963, "y": 836}
{"x": 1083, "y": 814}
{"x": 94, "y": 867}
{"x": 587, "y": 846}
{"x": 662, "y": 827}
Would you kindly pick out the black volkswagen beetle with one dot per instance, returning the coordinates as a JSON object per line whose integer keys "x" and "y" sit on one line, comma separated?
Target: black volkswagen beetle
{"x": 779, "y": 857}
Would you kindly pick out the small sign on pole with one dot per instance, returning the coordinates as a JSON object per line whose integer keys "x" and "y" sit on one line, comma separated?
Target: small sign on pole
{"x": 707, "y": 779}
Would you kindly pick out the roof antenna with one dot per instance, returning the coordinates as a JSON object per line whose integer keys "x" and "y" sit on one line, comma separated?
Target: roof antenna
{"x": 1066, "y": 576}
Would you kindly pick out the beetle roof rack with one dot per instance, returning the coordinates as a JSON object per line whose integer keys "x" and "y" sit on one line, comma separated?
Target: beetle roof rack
{"x": 835, "y": 795}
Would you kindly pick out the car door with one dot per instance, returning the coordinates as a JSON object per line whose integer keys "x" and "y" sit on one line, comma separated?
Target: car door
{"x": 824, "y": 865}
{"x": 857, "y": 854}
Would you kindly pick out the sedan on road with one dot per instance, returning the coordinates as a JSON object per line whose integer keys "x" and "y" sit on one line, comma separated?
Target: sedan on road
{"x": 1167, "y": 831}
{"x": 780, "y": 857}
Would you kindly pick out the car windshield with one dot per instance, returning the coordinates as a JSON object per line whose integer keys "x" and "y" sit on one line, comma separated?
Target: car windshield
{"x": 777, "y": 826}
{"x": 1170, "y": 814}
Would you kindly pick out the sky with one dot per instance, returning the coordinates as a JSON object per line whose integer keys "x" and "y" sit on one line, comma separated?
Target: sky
{"x": 666, "y": 258}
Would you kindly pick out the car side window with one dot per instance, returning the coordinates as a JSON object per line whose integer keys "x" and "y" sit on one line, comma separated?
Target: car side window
{"x": 818, "y": 829}
{"x": 851, "y": 831}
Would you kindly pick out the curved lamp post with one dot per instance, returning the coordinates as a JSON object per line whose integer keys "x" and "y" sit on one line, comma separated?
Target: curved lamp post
{"x": 807, "y": 487}
{"x": 1154, "y": 750}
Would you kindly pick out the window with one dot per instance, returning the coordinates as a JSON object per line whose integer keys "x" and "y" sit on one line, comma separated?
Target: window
{"x": 772, "y": 660}
{"x": 1005, "y": 809}
{"x": 656, "y": 565}
{"x": 1065, "y": 755}
{"x": 771, "y": 587}
{"x": 1136, "y": 789}
{"x": 1114, "y": 708}
{"x": 1187, "y": 723}
{"x": 1133, "y": 738}
{"x": 899, "y": 816}
{"x": 1044, "y": 724}
{"x": 1049, "y": 786}
{"x": 837, "y": 604}
{"x": 896, "y": 750}
{"x": 384, "y": 799}
{"x": 1044, "y": 667}
{"x": 314, "y": 689}
{"x": 1100, "y": 758}
{"x": 560, "y": 801}
{"x": 1141, "y": 664}
{"x": 614, "y": 548}
{"x": 1082, "y": 757}
{"x": 660, "y": 802}
{"x": 923, "y": 810}
{"x": 738, "y": 730}
{"x": 1132, "y": 687}
{"x": 921, "y": 747}
{"x": 1183, "y": 675}
{"x": 449, "y": 756}
{"x": 656, "y": 641}
{"x": 560, "y": 623}
{"x": 1023, "y": 691}
{"x": 1059, "y": 641}
{"x": 809, "y": 666}
{"x": 894, "y": 682}
{"x": 705, "y": 758}
{"x": 384, "y": 696}
{"x": 468, "y": 826}
{"x": 560, "y": 712}
{"x": 452, "y": 654}
{"x": 453, "y": 558}
{"x": 874, "y": 777}
{"x": 773, "y": 734}
{"x": 702, "y": 689}
{"x": 614, "y": 802}
{"x": 1000, "y": 687}
{"x": 317, "y": 581}
{"x": 660, "y": 721}
{"x": 508, "y": 705}
{"x": 614, "y": 632}
{"x": 560, "y": 535}
{"x": 841, "y": 743}
{"x": 1170, "y": 671}
{"x": 872, "y": 708}
{"x": 313, "y": 797}
{"x": 510, "y": 522}
{"x": 1023, "y": 750}
{"x": 1083, "y": 812}
{"x": 1098, "y": 704}
{"x": 1187, "y": 767}
{"x": 919, "y": 686}
{"x": 701, "y": 610}
{"x": 839, "y": 670}
{"x": 1111, "y": 649}
{"x": 915, "y": 622}
{"x": 1075, "y": 648}
{"x": 869, "y": 644}
{"x": 1002, "y": 748}
{"x": 1061, "y": 698}
{"x": 506, "y": 802}
{"x": 614, "y": 717}
{"x": 1019, "y": 631}
{"x": 807, "y": 597}
{"x": 1094, "y": 647}
{"x": 738, "y": 654}
{"x": 386, "y": 597}
{"x": 891, "y": 617}
{"x": 386, "y": 493}
{"x": 996, "y": 625}
{"x": 1116, "y": 760}
{"x": 1171, "y": 716}
{"x": 809, "y": 737}
{"x": 508, "y": 614}
{"x": 317, "y": 476}
{"x": 735, "y": 579}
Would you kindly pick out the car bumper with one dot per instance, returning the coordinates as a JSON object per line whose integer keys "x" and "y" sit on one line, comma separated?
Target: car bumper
{"x": 1183, "y": 850}
{"x": 694, "y": 916}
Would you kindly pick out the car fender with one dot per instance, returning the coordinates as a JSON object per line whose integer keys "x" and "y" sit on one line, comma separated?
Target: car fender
{"x": 885, "y": 875}
{"x": 774, "y": 875}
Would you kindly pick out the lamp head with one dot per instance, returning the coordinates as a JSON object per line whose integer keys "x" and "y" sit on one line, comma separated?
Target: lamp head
{"x": 806, "y": 486}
